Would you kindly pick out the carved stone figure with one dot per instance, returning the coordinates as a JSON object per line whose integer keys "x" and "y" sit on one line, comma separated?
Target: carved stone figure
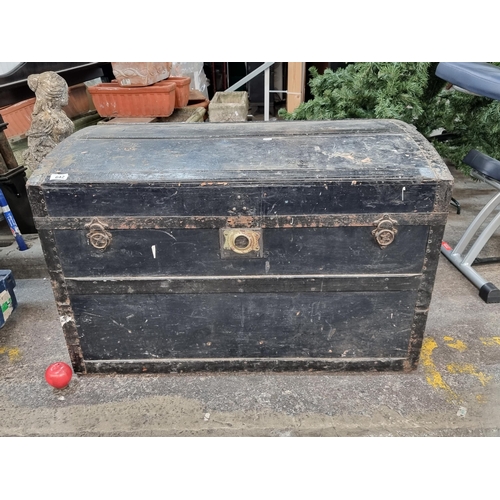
{"x": 49, "y": 123}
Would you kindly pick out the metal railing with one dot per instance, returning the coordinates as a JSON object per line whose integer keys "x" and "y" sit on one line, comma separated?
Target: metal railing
{"x": 266, "y": 68}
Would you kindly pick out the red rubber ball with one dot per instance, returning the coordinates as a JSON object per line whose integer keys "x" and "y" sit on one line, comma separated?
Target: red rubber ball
{"x": 58, "y": 375}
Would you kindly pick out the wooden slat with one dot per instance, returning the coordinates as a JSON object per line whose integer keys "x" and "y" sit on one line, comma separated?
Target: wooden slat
{"x": 121, "y": 121}
{"x": 217, "y": 222}
{"x": 244, "y": 364}
{"x": 296, "y": 85}
{"x": 257, "y": 284}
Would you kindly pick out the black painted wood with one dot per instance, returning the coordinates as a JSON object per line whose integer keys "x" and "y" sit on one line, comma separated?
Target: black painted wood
{"x": 181, "y": 252}
{"x": 255, "y": 284}
{"x": 216, "y": 200}
{"x": 244, "y": 152}
{"x": 350, "y": 324}
{"x": 320, "y": 294}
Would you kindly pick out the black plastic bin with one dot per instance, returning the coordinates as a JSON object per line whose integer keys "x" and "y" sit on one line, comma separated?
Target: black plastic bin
{"x": 13, "y": 185}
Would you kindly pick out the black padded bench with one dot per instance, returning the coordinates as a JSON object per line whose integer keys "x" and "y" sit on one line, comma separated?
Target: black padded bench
{"x": 475, "y": 77}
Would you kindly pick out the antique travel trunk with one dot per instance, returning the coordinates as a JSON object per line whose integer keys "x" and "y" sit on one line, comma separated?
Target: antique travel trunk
{"x": 242, "y": 246}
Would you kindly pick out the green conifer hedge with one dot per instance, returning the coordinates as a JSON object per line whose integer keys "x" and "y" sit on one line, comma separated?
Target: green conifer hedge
{"x": 410, "y": 92}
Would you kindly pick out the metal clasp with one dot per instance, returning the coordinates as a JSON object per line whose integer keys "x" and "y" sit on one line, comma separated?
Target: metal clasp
{"x": 98, "y": 236}
{"x": 385, "y": 232}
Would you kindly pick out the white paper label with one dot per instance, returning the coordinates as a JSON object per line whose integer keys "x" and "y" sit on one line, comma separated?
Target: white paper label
{"x": 58, "y": 177}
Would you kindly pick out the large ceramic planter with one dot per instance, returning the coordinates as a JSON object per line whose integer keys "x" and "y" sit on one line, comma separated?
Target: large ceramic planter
{"x": 181, "y": 90}
{"x": 137, "y": 74}
{"x": 18, "y": 116}
{"x": 196, "y": 100}
{"x": 79, "y": 101}
{"x": 112, "y": 100}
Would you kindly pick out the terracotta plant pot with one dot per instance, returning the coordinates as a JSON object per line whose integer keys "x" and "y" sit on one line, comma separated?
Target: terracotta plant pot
{"x": 111, "y": 100}
{"x": 79, "y": 101}
{"x": 18, "y": 116}
{"x": 137, "y": 74}
{"x": 181, "y": 90}
{"x": 196, "y": 100}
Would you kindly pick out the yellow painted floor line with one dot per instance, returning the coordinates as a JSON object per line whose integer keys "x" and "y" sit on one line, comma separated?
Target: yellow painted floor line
{"x": 433, "y": 377}
{"x": 490, "y": 341}
{"x": 458, "y": 344}
{"x": 469, "y": 370}
{"x": 13, "y": 352}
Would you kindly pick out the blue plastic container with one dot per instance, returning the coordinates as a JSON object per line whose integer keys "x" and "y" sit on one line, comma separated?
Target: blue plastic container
{"x": 8, "y": 301}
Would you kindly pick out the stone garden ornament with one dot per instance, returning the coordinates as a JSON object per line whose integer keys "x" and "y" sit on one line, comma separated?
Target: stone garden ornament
{"x": 49, "y": 123}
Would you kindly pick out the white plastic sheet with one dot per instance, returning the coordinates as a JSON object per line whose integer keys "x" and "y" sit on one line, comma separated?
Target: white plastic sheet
{"x": 195, "y": 71}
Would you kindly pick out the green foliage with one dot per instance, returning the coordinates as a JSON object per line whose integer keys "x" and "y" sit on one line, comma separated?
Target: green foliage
{"x": 368, "y": 90}
{"x": 474, "y": 122}
{"x": 409, "y": 92}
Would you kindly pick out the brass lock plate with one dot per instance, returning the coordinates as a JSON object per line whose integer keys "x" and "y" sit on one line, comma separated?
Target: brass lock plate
{"x": 240, "y": 243}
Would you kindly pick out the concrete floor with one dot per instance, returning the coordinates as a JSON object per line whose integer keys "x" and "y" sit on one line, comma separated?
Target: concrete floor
{"x": 454, "y": 392}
